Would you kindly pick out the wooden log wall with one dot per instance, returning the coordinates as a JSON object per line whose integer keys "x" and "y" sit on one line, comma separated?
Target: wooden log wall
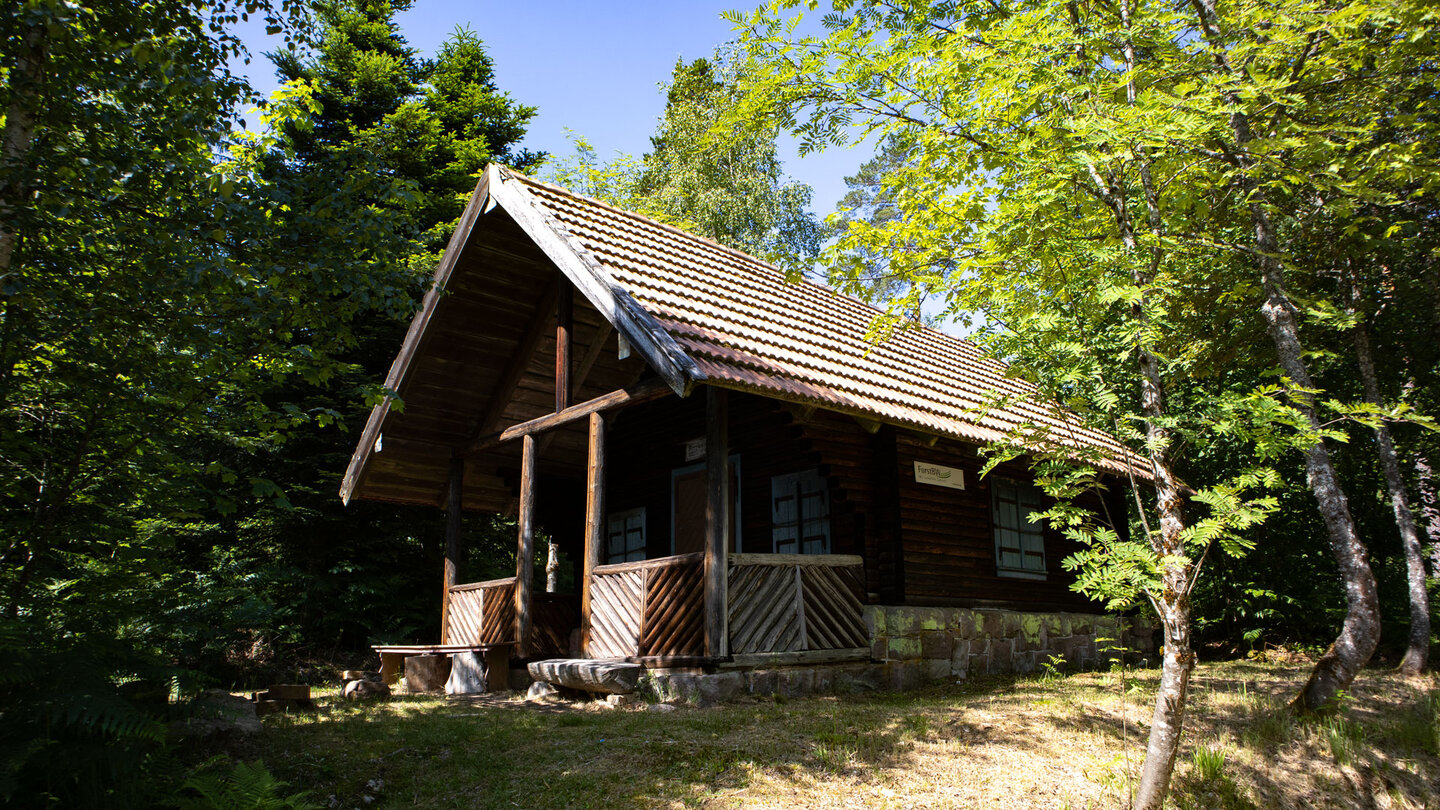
{"x": 650, "y": 608}
{"x": 921, "y": 544}
{"x": 646, "y": 444}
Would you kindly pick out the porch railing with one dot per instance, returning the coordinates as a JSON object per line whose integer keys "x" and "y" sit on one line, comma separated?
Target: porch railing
{"x": 795, "y": 603}
{"x": 777, "y": 603}
{"x": 484, "y": 613}
{"x": 648, "y": 608}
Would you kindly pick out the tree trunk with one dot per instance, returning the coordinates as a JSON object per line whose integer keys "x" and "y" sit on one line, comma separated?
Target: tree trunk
{"x": 1360, "y": 632}
{"x": 552, "y": 567}
{"x": 1429, "y": 508}
{"x": 25, "y": 82}
{"x": 1418, "y": 648}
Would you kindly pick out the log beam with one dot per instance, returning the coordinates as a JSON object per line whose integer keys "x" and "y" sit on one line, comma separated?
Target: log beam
{"x": 635, "y": 394}
{"x": 594, "y": 521}
{"x": 454, "y": 510}
{"x": 525, "y": 552}
{"x": 564, "y": 326}
{"x": 717, "y": 518}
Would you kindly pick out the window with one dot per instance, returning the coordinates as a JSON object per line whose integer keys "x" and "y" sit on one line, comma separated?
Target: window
{"x": 800, "y": 513}
{"x": 626, "y": 536}
{"x": 1019, "y": 544}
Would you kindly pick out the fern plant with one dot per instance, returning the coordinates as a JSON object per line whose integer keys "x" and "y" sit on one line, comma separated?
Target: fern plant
{"x": 245, "y": 786}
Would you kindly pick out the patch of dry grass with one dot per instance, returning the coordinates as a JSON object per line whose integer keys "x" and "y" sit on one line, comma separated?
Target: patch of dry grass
{"x": 1073, "y": 742}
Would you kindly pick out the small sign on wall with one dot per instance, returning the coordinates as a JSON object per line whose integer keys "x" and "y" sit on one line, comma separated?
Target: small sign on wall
{"x": 939, "y": 476}
{"x": 694, "y": 449}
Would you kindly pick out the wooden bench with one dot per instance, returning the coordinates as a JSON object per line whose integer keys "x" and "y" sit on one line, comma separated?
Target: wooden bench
{"x": 496, "y": 657}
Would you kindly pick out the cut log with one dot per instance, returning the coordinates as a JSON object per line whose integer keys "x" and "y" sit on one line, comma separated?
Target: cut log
{"x": 426, "y": 673}
{"x": 615, "y": 677}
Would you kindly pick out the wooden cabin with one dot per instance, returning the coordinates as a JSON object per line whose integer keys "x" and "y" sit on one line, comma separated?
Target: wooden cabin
{"x": 739, "y": 471}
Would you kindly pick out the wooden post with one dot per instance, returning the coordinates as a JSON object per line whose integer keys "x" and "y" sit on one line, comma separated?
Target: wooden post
{"x": 564, "y": 323}
{"x": 594, "y": 522}
{"x": 453, "y": 511}
{"x": 717, "y": 518}
{"x": 525, "y": 553}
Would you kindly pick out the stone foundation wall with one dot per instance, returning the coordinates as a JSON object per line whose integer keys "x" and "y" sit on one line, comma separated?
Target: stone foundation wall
{"x": 946, "y": 643}
{"x": 915, "y": 646}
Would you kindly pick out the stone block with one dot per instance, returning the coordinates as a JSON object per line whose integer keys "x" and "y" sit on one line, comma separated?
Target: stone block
{"x": 1024, "y": 662}
{"x": 979, "y": 664}
{"x": 935, "y": 644}
{"x": 935, "y": 669}
{"x": 1001, "y": 652}
{"x": 960, "y": 658}
{"x": 854, "y": 679}
{"x": 965, "y": 624}
{"x": 992, "y": 623}
{"x": 929, "y": 618}
{"x": 880, "y": 649}
{"x": 762, "y": 682}
{"x": 903, "y": 649}
{"x": 795, "y": 683}
{"x": 899, "y": 621}
{"x": 720, "y": 687}
{"x": 824, "y": 680}
{"x": 903, "y": 675}
{"x": 1082, "y": 623}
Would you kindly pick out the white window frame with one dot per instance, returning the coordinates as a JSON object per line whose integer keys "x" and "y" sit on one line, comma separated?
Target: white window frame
{"x": 795, "y": 483}
{"x": 1025, "y": 540}
{"x": 627, "y": 551}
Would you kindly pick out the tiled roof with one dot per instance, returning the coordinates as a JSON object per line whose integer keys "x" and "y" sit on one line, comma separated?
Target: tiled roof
{"x": 745, "y": 326}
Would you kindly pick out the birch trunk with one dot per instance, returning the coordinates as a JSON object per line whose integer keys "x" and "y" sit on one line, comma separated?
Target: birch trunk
{"x": 1418, "y": 649}
{"x": 1429, "y": 508}
{"x": 552, "y": 567}
{"x": 1360, "y": 632}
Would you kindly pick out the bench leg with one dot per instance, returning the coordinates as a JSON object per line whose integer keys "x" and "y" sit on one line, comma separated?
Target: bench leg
{"x": 497, "y": 669}
{"x": 391, "y": 665}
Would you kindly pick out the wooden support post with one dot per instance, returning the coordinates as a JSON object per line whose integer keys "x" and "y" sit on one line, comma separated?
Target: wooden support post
{"x": 717, "y": 519}
{"x": 594, "y": 522}
{"x": 453, "y": 513}
{"x": 564, "y": 326}
{"x": 525, "y": 553}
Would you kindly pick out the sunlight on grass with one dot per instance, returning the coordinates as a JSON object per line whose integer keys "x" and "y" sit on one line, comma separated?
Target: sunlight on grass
{"x": 1070, "y": 741}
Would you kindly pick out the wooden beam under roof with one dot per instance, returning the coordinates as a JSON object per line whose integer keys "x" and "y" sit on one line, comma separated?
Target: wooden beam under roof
{"x": 633, "y": 321}
{"x": 641, "y": 392}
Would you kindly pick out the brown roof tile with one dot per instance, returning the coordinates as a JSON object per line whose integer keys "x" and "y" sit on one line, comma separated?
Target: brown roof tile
{"x": 746, "y": 326}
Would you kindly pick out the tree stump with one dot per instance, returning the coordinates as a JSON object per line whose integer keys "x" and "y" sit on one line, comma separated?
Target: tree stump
{"x": 426, "y": 673}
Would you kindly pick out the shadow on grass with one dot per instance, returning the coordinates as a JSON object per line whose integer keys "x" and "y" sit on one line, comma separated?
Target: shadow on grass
{"x": 494, "y": 751}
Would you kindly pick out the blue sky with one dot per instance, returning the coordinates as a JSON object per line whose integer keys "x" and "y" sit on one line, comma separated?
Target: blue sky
{"x": 592, "y": 67}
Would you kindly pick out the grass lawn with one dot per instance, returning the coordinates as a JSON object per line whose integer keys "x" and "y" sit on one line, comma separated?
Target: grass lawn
{"x": 1064, "y": 742}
